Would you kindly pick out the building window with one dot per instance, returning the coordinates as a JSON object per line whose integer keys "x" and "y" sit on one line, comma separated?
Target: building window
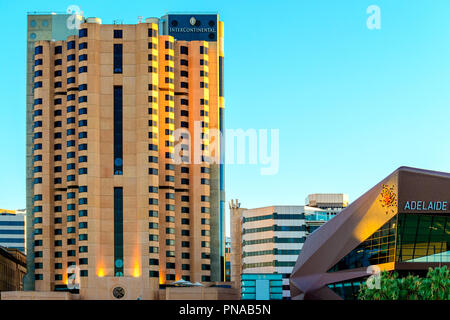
{"x": 153, "y": 274}
{"x": 82, "y": 69}
{"x": 118, "y": 151}
{"x": 153, "y": 225}
{"x": 152, "y": 33}
{"x": 83, "y": 33}
{"x": 184, "y": 50}
{"x": 118, "y": 58}
{"x": 118, "y": 232}
{"x": 118, "y": 34}
{"x": 82, "y": 237}
{"x": 82, "y": 213}
{"x": 153, "y": 249}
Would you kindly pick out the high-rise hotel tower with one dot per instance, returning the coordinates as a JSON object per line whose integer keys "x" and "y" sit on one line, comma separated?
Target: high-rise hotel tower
{"x": 128, "y": 177}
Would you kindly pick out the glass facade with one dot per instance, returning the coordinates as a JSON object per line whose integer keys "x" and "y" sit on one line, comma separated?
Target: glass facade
{"x": 405, "y": 238}
{"x": 423, "y": 238}
{"x": 346, "y": 290}
{"x": 378, "y": 248}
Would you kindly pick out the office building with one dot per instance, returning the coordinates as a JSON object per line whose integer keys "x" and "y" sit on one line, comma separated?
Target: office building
{"x": 400, "y": 224}
{"x": 271, "y": 238}
{"x": 12, "y": 269}
{"x": 128, "y": 176}
{"x": 12, "y": 229}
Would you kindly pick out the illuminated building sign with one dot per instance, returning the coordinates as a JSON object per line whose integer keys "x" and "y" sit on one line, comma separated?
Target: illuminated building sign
{"x": 191, "y": 27}
{"x": 426, "y": 205}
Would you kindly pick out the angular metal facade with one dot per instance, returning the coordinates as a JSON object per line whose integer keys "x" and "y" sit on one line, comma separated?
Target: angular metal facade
{"x": 378, "y": 229}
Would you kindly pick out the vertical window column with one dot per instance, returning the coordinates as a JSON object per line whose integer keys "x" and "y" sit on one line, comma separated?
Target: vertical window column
{"x": 118, "y": 130}
{"x": 118, "y": 232}
{"x": 118, "y": 58}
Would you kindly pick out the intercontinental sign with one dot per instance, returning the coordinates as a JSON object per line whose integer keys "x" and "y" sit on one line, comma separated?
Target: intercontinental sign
{"x": 191, "y": 29}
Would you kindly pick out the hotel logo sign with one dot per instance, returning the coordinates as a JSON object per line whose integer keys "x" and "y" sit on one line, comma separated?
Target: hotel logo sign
{"x": 192, "y": 29}
{"x": 388, "y": 198}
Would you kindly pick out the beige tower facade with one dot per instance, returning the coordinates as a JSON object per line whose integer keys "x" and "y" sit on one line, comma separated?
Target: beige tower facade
{"x": 128, "y": 183}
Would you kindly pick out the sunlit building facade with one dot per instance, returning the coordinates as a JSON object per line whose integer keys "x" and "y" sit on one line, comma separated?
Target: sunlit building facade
{"x": 400, "y": 224}
{"x": 128, "y": 185}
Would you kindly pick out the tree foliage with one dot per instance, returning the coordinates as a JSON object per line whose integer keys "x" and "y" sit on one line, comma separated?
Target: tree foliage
{"x": 435, "y": 286}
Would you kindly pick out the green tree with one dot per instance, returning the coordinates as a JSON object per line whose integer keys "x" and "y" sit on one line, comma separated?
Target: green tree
{"x": 436, "y": 286}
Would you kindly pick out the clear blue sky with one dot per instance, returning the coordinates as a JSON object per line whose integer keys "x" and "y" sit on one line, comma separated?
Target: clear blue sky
{"x": 351, "y": 104}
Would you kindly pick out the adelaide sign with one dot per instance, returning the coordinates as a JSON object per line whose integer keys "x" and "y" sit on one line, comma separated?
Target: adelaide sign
{"x": 426, "y": 205}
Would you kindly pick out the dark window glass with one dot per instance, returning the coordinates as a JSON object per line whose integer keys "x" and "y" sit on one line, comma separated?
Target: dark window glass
{"x": 38, "y": 50}
{"x": 118, "y": 34}
{"x": 118, "y": 232}
{"x": 82, "y": 69}
{"x": 118, "y": 58}
{"x": 118, "y": 148}
{"x": 82, "y": 33}
{"x": 184, "y": 50}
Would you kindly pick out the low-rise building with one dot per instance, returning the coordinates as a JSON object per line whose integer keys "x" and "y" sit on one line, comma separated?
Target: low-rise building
{"x": 13, "y": 267}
